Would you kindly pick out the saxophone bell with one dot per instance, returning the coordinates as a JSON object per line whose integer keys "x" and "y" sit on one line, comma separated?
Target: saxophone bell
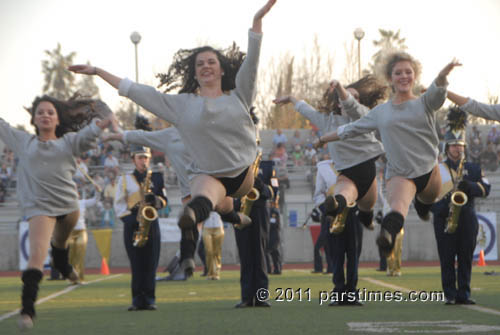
{"x": 458, "y": 199}
{"x": 145, "y": 215}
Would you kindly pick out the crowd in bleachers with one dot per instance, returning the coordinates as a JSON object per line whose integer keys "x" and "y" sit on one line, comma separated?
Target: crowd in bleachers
{"x": 8, "y": 165}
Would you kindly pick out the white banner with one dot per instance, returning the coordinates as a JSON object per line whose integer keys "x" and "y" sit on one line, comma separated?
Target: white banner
{"x": 24, "y": 247}
{"x": 170, "y": 232}
{"x": 487, "y": 236}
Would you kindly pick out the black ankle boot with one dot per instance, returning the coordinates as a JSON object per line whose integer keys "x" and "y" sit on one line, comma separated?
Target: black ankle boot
{"x": 31, "y": 279}
{"x": 334, "y": 205}
{"x": 391, "y": 226}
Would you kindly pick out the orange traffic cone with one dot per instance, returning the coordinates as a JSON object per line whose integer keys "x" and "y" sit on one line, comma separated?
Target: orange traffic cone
{"x": 104, "y": 267}
{"x": 481, "y": 261}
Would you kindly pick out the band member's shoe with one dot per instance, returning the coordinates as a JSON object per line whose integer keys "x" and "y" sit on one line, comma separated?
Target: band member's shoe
{"x": 245, "y": 221}
{"x": 187, "y": 266}
{"x": 423, "y": 210}
{"x": 151, "y": 307}
{"x": 24, "y": 322}
{"x": 449, "y": 302}
{"x": 262, "y": 304}
{"x": 132, "y": 308}
{"x": 465, "y": 302}
{"x": 187, "y": 219}
{"x": 244, "y": 304}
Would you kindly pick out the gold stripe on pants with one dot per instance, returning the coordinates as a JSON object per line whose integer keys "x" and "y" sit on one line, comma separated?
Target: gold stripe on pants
{"x": 77, "y": 249}
{"x": 213, "y": 239}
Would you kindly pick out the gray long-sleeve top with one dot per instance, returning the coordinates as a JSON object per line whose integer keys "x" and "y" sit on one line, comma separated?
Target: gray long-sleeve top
{"x": 169, "y": 142}
{"x": 353, "y": 151}
{"x": 490, "y": 112}
{"x": 407, "y": 131}
{"x": 218, "y": 132}
{"x": 45, "y": 171}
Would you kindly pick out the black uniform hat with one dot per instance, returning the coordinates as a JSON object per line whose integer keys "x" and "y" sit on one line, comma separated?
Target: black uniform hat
{"x": 139, "y": 150}
{"x": 457, "y": 120}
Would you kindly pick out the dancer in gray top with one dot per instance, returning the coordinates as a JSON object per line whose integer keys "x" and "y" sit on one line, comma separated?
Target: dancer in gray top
{"x": 212, "y": 116}
{"x": 355, "y": 157}
{"x": 407, "y": 128}
{"x": 471, "y": 106}
{"x": 47, "y": 193}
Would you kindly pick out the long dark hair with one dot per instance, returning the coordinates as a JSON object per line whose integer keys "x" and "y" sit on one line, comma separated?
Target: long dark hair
{"x": 73, "y": 114}
{"x": 371, "y": 92}
{"x": 181, "y": 73}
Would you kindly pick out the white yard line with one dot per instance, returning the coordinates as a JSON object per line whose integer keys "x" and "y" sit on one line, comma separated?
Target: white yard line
{"x": 404, "y": 289}
{"x": 56, "y": 294}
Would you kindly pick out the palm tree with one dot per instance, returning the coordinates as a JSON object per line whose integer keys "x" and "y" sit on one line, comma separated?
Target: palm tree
{"x": 389, "y": 41}
{"x": 59, "y": 81}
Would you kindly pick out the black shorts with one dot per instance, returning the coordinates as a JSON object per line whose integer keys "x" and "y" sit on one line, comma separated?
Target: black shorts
{"x": 421, "y": 182}
{"x": 233, "y": 184}
{"x": 362, "y": 175}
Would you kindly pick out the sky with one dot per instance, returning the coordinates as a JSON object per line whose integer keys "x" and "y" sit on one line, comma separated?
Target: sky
{"x": 99, "y": 31}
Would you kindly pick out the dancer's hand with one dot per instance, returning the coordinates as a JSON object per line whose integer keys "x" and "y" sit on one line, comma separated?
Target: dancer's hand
{"x": 441, "y": 79}
{"x": 318, "y": 143}
{"x": 83, "y": 69}
{"x": 257, "y": 19}
{"x": 103, "y": 124}
{"x": 333, "y": 85}
{"x": 285, "y": 100}
{"x": 106, "y": 137}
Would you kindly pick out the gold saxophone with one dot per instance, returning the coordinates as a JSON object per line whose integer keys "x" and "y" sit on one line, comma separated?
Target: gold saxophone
{"x": 457, "y": 200}
{"x": 146, "y": 214}
{"x": 248, "y": 200}
{"x": 337, "y": 225}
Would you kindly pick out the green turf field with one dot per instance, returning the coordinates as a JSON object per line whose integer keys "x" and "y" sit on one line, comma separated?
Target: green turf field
{"x": 199, "y": 306}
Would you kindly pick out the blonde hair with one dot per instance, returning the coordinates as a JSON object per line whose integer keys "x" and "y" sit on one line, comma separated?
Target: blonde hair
{"x": 399, "y": 56}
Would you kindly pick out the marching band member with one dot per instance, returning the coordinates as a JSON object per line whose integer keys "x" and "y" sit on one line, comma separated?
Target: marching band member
{"x": 46, "y": 190}
{"x": 170, "y": 143}
{"x": 252, "y": 240}
{"x": 354, "y": 158}
{"x": 458, "y": 242}
{"x": 211, "y": 113}
{"x": 131, "y": 194}
{"x": 406, "y": 125}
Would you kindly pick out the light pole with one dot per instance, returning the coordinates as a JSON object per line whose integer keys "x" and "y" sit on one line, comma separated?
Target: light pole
{"x": 135, "y": 37}
{"x": 359, "y": 34}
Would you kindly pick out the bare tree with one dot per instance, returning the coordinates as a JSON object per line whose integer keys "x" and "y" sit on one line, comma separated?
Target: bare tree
{"x": 306, "y": 78}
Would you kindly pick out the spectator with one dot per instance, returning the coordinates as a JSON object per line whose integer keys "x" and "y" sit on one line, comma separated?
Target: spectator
{"x": 296, "y": 140}
{"x": 110, "y": 189}
{"x": 82, "y": 169}
{"x": 108, "y": 214}
{"x": 475, "y": 133}
{"x": 280, "y": 158}
{"x": 298, "y": 156}
{"x": 5, "y": 174}
{"x": 310, "y": 155}
{"x": 475, "y": 151}
{"x": 489, "y": 158}
{"x": 311, "y": 137}
{"x": 494, "y": 135}
{"x": 279, "y": 137}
